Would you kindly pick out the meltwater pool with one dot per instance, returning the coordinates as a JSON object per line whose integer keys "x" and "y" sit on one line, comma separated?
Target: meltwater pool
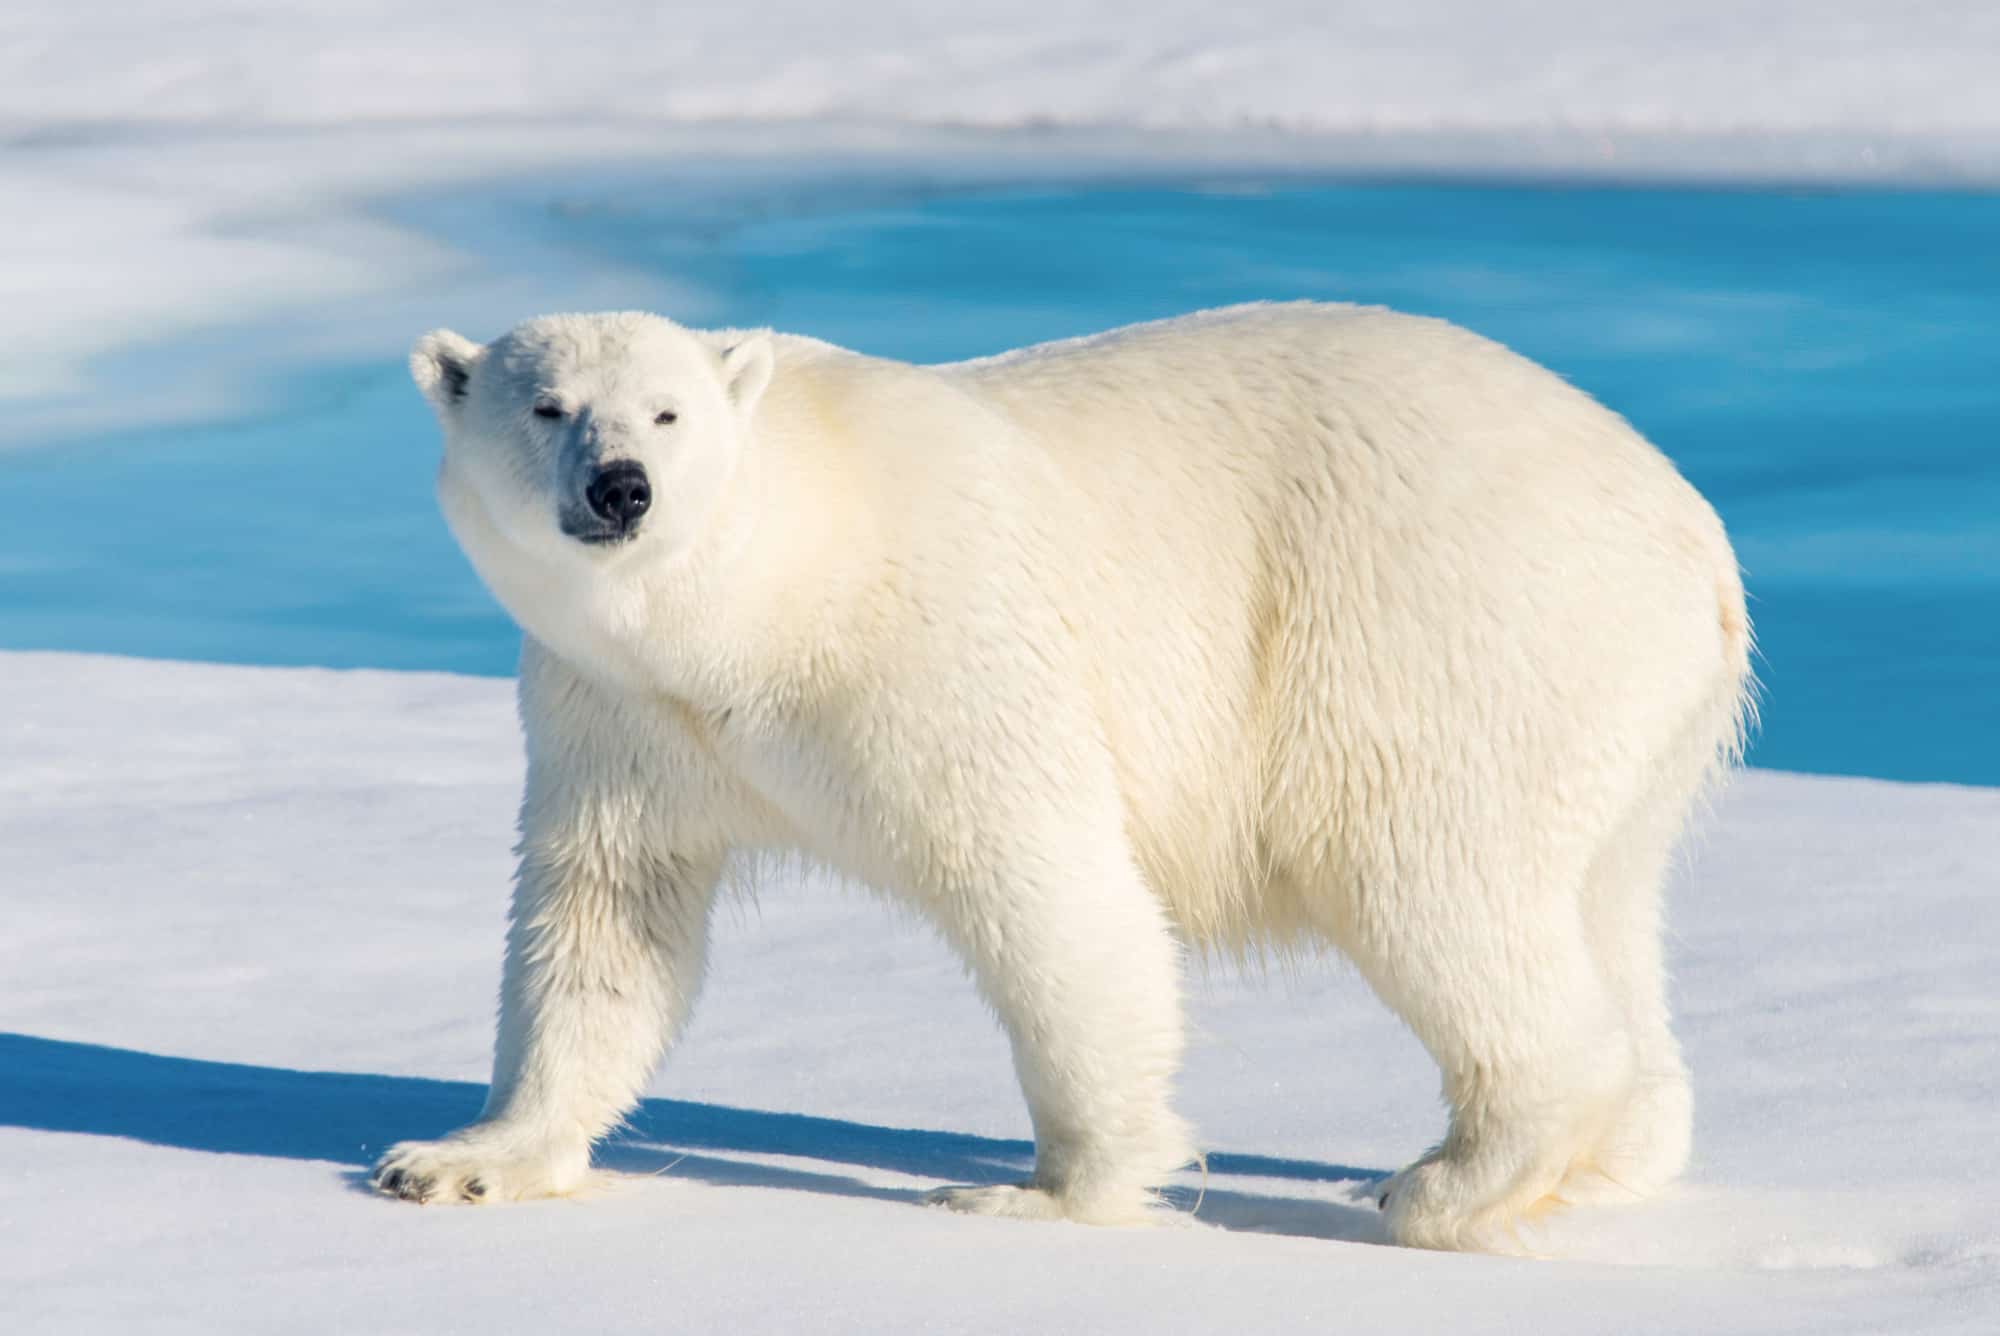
{"x": 1824, "y": 365}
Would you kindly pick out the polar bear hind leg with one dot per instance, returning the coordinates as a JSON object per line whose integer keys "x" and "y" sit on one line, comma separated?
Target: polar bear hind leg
{"x": 1507, "y": 994}
{"x": 1646, "y": 1146}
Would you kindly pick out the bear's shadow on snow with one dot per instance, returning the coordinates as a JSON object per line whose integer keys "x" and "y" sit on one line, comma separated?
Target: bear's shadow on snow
{"x": 235, "y": 1109}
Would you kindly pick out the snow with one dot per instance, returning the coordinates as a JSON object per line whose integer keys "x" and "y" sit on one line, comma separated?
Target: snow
{"x": 254, "y": 934}
{"x": 1712, "y": 66}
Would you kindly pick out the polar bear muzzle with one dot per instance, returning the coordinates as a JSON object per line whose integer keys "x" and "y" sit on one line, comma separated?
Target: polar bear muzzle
{"x": 619, "y": 495}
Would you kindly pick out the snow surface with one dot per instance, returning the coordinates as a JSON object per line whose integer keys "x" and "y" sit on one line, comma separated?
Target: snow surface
{"x": 1717, "y": 66}
{"x": 253, "y": 934}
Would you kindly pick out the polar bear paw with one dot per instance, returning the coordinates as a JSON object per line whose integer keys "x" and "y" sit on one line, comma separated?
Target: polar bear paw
{"x": 1646, "y": 1147}
{"x": 1436, "y": 1203}
{"x": 476, "y": 1169}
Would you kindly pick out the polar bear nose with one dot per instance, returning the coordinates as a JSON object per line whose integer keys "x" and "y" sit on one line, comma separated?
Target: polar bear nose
{"x": 618, "y": 493}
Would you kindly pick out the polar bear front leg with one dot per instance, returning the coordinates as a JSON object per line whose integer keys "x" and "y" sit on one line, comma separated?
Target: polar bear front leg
{"x": 1077, "y": 958}
{"x": 604, "y": 958}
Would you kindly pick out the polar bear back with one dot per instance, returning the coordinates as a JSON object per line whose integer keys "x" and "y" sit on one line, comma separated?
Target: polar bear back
{"x": 1348, "y": 574}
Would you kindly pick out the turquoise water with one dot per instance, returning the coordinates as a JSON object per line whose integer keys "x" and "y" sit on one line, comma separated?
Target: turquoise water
{"x": 1825, "y": 366}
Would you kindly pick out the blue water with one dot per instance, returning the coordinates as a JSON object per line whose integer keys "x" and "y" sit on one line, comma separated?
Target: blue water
{"x": 1825, "y": 366}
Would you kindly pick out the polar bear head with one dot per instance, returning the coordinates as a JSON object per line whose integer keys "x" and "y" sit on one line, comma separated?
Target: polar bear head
{"x": 585, "y": 438}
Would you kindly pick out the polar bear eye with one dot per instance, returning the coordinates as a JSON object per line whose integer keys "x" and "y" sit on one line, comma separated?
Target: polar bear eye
{"x": 545, "y": 409}
{"x": 665, "y": 416}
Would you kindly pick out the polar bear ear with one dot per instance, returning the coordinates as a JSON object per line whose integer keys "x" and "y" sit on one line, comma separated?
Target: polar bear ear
{"x": 441, "y": 364}
{"x": 746, "y": 371}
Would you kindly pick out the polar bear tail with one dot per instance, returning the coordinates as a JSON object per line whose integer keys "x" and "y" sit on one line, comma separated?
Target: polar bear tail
{"x": 1740, "y": 687}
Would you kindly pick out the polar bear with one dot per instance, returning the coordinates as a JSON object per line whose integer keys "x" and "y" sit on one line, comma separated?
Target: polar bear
{"x": 1273, "y": 626}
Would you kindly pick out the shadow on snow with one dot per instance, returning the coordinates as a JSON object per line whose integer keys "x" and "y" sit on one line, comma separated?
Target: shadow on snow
{"x": 348, "y": 1119}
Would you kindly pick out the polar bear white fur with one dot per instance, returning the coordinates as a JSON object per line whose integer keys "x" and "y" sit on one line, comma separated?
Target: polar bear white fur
{"x": 1270, "y": 626}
